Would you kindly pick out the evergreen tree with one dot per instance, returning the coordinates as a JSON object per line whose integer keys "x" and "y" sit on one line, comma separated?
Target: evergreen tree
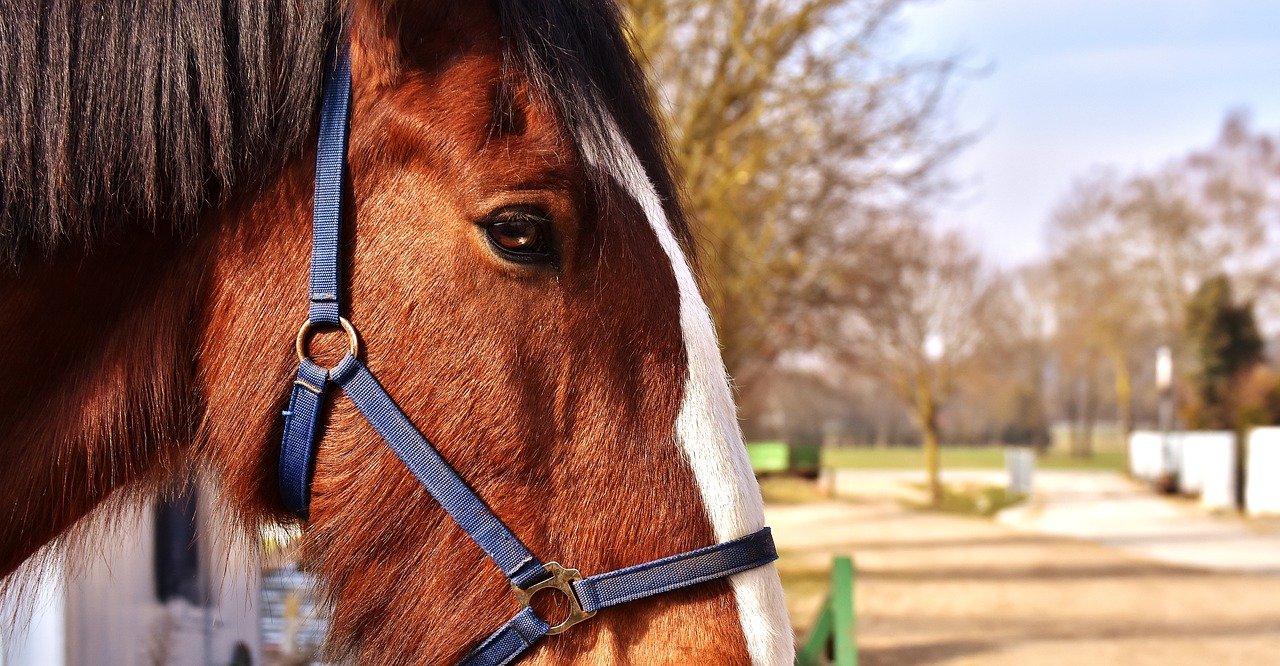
{"x": 1225, "y": 340}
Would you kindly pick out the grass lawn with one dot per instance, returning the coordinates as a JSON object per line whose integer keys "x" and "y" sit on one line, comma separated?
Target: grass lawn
{"x": 984, "y": 457}
{"x": 982, "y": 501}
{"x": 789, "y": 490}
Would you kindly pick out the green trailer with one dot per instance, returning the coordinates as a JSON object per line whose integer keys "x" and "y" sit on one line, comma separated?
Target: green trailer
{"x": 774, "y": 458}
{"x": 769, "y": 457}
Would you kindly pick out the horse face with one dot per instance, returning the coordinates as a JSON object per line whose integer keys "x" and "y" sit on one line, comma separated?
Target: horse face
{"x": 518, "y": 286}
{"x": 541, "y": 329}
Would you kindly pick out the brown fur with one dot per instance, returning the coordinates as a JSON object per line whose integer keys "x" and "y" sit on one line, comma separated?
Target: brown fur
{"x": 553, "y": 391}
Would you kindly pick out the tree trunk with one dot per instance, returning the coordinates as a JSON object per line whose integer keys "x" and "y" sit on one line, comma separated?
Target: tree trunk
{"x": 1086, "y": 425}
{"x": 931, "y": 457}
{"x": 1124, "y": 396}
{"x": 926, "y": 413}
{"x": 1082, "y": 438}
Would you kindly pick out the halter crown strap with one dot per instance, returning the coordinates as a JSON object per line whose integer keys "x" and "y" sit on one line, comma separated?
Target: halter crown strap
{"x": 302, "y": 418}
{"x": 527, "y": 574}
{"x": 331, "y": 159}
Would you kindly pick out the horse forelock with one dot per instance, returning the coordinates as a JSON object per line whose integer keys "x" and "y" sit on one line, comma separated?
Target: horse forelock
{"x": 576, "y": 53}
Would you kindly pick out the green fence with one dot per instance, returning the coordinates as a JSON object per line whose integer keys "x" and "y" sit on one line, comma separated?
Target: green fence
{"x": 834, "y": 636}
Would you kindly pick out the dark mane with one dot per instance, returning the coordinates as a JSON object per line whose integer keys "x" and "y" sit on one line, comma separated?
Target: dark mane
{"x": 121, "y": 111}
{"x": 577, "y": 53}
{"x": 118, "y": 110}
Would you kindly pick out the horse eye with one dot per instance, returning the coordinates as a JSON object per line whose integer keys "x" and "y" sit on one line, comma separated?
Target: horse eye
{"x": 520, "y": 234}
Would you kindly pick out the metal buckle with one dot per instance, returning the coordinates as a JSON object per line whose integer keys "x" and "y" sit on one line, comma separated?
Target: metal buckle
{"x": 561, "y": 579}
{"x": 353, "y": 340}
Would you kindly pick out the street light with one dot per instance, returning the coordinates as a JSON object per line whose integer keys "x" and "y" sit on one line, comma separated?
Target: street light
{"x": 934, "y": 347}
{"x": 1164, "y": 384}
{"x": 1164, "y": 368}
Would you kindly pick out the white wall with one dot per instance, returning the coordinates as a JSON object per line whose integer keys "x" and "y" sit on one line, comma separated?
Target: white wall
{"x": 1204, "y": 461}
{"x": 108, "y": 615}
{"x": 1262, "y": 479}
{"x": 1148, "y": 459}
{"x": 1191, "y": 453}
{"x": 1207, "y": 467}
{"x": 42, "y": 640}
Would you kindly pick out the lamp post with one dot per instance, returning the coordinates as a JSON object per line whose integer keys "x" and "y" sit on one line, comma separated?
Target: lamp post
{"x": 935, "y": 348}
{"x": 1164, "y": 385}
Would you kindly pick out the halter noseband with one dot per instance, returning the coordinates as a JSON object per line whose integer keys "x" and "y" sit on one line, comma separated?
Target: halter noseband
{"x": 528, "y": 575}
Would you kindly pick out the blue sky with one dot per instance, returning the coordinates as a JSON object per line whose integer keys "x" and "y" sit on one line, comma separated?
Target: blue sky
{"x": 1076, "y": 84}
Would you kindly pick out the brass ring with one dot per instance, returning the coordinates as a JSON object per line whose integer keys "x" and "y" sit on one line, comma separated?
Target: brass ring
{"x": 353, "y": 341}
{"x": 561, "y": 580}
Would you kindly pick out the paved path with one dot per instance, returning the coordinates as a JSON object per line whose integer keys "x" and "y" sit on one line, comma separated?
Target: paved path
{"x": 1107, "y": 508}
{"x": 938, "y": 590}
{"x": 1116, "y": 512}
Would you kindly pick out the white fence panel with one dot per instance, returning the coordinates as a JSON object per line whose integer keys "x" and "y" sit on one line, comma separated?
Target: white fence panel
{"x": 1262, "y": 480}
{"x": 1149, "y": 457}
{"x": 1207, "y": 466}
{"x": 1204, "y": 462}
{"x": 1190, "y": 462}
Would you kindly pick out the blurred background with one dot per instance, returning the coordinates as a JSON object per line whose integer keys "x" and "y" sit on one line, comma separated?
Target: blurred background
{"x": 997, "y": 284}
{"x": 979, "y": 221}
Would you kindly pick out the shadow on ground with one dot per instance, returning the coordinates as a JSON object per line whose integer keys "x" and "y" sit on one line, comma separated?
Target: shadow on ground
{"x": 921, "y": 654}
{"x": 935, "y": 590}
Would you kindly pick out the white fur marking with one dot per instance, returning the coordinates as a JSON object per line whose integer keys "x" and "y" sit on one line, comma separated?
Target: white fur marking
{"x": 707, "y": 427}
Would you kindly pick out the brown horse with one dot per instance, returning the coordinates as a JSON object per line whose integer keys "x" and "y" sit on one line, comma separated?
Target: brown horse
{"x": 155, "y": 185}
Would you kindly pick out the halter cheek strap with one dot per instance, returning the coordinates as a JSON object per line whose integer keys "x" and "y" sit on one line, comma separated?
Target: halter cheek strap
{"x": 528, "y": 575}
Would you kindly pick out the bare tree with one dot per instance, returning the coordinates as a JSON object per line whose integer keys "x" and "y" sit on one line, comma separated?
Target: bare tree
{"x": 1003, "y": 391}
{"x": 1127, "y": 254}
{"x": 923, "y": 329}
{"x": 1105, "y": 313}
{"x": 799, "y": 137}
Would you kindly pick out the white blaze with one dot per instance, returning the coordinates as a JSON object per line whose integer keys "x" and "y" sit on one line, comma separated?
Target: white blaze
{"x": 707, "y": 427}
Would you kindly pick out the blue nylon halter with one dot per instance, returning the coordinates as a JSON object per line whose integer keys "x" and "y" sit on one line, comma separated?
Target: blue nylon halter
{"x": 527, "y": 574}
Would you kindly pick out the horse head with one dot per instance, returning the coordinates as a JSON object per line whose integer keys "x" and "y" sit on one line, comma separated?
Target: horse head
{"x": 519, "y": 269}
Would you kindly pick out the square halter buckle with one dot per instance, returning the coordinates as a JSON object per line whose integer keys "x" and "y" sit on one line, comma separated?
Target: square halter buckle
{"x": 561, "y": 580}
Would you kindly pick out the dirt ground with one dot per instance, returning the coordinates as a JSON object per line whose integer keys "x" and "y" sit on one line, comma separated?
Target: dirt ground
{"x": 943, "y": 590}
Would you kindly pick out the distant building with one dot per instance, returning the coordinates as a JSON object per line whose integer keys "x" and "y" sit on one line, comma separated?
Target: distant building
{"x": 166, "y": 588}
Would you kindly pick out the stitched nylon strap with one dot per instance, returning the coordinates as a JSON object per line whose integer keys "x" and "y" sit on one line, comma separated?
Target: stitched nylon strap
{"x": 301, "y": 419}
{"x": 677, "y": 571}
{"x": 434, "y": 473}
{"x": 516, "y": 636}
{"x": 331, "y": 158}
{"x": 492, "y": 536}
{"x": 298, "y": 451}
{"x": 637, "y": 582}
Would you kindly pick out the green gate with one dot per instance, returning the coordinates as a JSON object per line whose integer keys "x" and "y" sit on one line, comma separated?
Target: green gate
{"x": 834, "y": 635}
